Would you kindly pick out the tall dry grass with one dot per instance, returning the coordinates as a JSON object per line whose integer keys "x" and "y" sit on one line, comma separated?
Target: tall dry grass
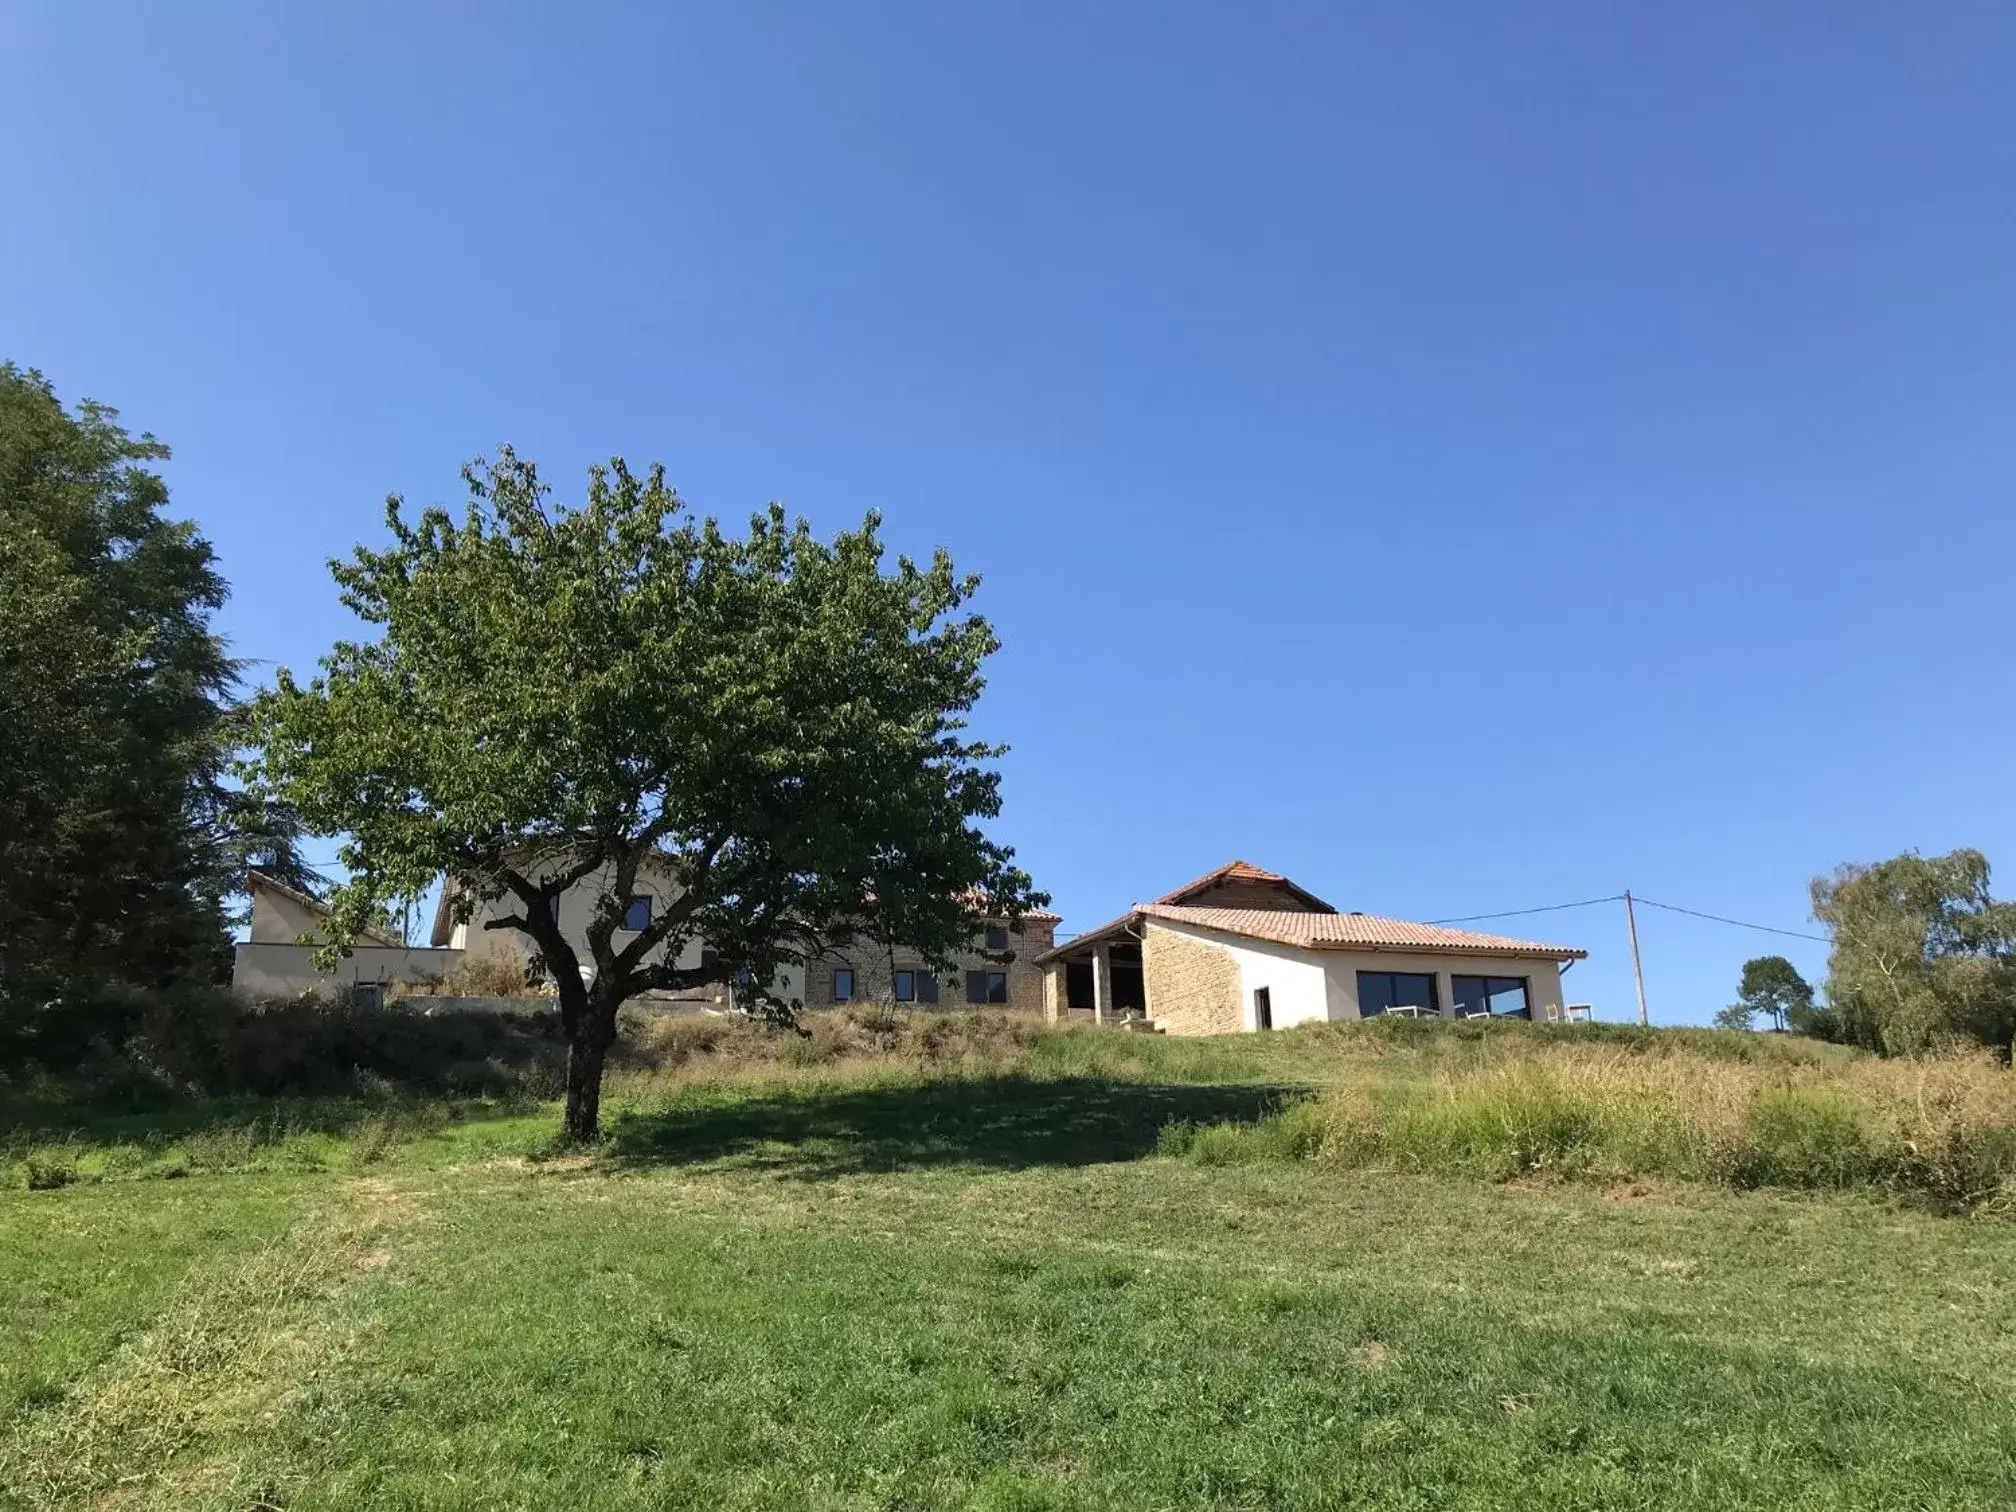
{"x": 1941, "y": 1129}
{"x": 658, "y": 1051}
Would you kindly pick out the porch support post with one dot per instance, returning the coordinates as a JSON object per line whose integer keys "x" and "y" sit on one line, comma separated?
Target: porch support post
{"x": 1102, "y": 983}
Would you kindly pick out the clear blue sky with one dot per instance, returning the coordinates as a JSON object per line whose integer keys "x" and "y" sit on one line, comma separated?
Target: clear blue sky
{"x": 1467, "y": 456}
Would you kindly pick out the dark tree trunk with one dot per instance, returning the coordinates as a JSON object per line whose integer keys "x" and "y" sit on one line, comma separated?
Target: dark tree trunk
{"x": 586, "y": 1051}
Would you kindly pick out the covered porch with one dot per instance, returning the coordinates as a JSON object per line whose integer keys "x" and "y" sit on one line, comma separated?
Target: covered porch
{"x": 1097, "y": 976}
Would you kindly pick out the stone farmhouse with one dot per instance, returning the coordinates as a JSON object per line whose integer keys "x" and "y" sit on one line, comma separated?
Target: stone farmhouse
{"x": 1242, "y": 948}
{"x": 998, "y": 970}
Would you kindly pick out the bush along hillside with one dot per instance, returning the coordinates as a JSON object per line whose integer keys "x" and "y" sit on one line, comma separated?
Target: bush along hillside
{"x": 1717, "y": 1106}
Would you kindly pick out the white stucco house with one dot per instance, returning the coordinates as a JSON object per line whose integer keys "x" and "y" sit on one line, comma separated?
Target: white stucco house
{"x": 1243, "y": 948}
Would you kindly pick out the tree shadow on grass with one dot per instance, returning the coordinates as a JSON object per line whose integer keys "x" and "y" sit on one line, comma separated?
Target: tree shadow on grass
{"x": 1000, "y": 1123}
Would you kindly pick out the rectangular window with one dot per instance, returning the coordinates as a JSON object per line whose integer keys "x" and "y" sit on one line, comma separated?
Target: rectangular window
{"x": 637, "y": 915}
{"x": 906, "y": 986}
{"x": 1499, "y": 997}
{"x": 997, "y": 937}
{"x": 843, "y": 985}
{"x": 1408, "y": 992}
{"x": 1263, "y": 1008}
{"x": 927, "y": 987}
{"x": 367, "y": 995}
{"x": 553, "y": 908}
{"x": 987, "y": 987}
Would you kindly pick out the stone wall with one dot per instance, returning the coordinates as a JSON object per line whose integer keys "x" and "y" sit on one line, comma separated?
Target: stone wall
{"x": 874, "y": 972}
{"x": 1193, "y": 985}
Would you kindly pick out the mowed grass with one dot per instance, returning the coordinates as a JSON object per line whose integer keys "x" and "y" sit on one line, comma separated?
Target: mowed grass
{"x": 889, "y": 1282}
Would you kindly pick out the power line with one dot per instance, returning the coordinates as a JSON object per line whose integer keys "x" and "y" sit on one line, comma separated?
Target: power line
{"x": 1739, "y": 923}
{"x": 1513, "y": 913}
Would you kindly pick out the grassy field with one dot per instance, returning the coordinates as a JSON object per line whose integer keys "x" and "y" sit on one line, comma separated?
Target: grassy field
{"x": 977, "y": 1266}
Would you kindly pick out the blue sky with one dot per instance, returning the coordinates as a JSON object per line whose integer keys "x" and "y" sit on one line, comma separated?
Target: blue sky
{"x": 1465, "y": 456}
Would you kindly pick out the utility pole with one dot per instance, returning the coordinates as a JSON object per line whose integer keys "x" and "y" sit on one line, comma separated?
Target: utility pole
{"x": 1637, "y": 967}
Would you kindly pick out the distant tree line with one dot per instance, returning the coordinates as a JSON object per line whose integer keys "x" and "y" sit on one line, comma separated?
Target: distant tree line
{"x": 1922, "y": 955}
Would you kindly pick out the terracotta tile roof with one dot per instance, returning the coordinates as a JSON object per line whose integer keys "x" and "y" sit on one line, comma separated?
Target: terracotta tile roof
{"x": 1241, "y": 871}
{"x": 1335, "y": 931}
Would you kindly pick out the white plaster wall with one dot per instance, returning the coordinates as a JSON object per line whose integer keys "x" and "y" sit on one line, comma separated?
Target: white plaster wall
{"x": 1543, "y": 977}
{"x": 577, "y": 907}
{"x": 273, "y": 970}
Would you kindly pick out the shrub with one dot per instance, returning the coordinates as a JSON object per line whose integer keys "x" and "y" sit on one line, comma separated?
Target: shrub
{"x": 1941, "y": 1130}
{"x": 48, "y": 1170}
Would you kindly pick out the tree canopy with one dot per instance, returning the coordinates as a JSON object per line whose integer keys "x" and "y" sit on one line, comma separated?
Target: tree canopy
{"x": 563, "y": 696}
{"x": 1921, "y": 952}
{"x": 121, "y": 840}
{"x": 1771, "y": 986}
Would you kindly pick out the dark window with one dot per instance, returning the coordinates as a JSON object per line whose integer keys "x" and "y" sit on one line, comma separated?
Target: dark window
{"x": 553, "y": 908}
{"x": 986, "y": 986}
{"x": 1263, "y": 1008}
{"x": 843, "y": 985}
{"x": 710, "y": 958}
{"x": 637, "y": 915}
{"x": 843, "y": 934}
{"x": 997, "y": 937}
{"x": 927, "y": 987}
{"x": 367, "y": 995}
{"x": 906, "y": 986}
{"x": 1077, "y": 984}
{"x": 1383, "y": 991}
{"x": 1500, "y": 997}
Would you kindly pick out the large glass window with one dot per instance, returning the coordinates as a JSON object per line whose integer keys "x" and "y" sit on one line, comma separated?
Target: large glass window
{"x": 986, "y": 986}
{"x": 1383, "y": 991}
{"x": 916, "y": 987}
{"x": 1500, "y": 997}
{"x": 843, "y": 984}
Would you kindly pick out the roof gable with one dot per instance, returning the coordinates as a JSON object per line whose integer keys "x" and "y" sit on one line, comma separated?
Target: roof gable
{"x": 1241, "y": 884}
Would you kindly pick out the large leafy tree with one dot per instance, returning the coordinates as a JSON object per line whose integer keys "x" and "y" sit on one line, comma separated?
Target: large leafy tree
{"x": 121, "y": 839}
{"x": 1922, "y": 952}
{"x": 575, "y": 696}
{"x": 1773, "y": 987}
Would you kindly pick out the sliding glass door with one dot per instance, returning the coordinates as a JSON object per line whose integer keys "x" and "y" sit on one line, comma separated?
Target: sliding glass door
{"x": 1386, "y": 991}
{"x": 1500, "y": 997}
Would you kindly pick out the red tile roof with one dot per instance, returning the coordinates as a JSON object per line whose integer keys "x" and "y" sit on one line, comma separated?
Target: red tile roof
{"x": 1335, "y": 931}
{"x": 1241, "y": 871}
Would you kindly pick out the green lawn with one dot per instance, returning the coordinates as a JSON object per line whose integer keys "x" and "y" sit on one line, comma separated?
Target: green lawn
{"x": 886, "y": 1288}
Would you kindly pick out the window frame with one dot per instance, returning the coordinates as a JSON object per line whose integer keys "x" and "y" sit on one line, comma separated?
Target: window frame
{"x": 630, "y": 905}
{"x": 985, "y": 983}
{"x": 903, "y": 986}
{"x": 1525, "y": 985}
{"x": 1263, "y": 1009}
{"x": 1433, "y": 1007}
{"x": 996, "y": 937}
{"x": 840, "y": 973}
